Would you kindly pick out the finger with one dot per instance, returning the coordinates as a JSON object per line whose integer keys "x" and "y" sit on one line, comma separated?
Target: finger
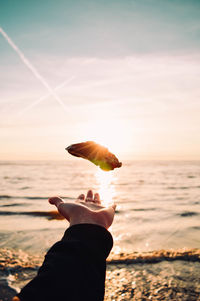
{"x": 81, "y": 197}
{"x": 97, "y": 198}
{"x": 55, "y": 201}
{"x": 114, "y": 206}
{"x": 89, "y": 197}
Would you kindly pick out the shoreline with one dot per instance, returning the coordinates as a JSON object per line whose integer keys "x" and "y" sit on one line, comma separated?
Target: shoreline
{"x": 158, "y": 275}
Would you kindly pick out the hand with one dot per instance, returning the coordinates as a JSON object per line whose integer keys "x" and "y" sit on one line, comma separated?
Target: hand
{"x": 85, "y": 210}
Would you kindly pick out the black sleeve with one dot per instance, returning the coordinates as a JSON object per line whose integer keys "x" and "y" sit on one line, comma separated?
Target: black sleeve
{"x": 74, "y": 268}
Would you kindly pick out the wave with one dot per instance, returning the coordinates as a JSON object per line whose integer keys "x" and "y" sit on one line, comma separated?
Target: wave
{"x": 11, "y": 259}
{"x": 188, "y": 213}
{"x": 5, "y": 196}
{"x": 48, "y": 214}
{"x": 55, "y": 215}
{"x": 14, "y": 205}
{"x": 23, "y": 197}
{"x": 182, "y": 187}
{"x": 156, "y": 256}
{"x": 195, "y": 227}
{"x": 143, "y": 209}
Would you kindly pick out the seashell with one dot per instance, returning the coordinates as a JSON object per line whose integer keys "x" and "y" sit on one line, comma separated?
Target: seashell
{"x": 96, "y": 153}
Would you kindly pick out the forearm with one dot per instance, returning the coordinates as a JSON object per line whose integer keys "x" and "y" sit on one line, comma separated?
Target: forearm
{"x": 74, "y": 268}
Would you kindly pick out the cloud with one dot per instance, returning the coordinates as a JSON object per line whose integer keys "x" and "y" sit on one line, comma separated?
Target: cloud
{"x": 134, "y": 80}
{"x": 30, "y": 66}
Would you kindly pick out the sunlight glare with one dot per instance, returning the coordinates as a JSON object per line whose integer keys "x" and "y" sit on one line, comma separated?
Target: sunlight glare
{"x": 112, "y": 134}
{"x": 106, "y": 187}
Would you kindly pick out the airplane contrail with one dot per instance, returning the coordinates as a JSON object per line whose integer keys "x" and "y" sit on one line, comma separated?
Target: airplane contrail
{"x": 44, "y": 97}
{"x": 32, "y": 68}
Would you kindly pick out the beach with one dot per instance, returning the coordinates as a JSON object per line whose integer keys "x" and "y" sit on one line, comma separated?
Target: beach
{"x": 177, "y": 280}
{"x": 152, "y": 276}
{"x": 156, "y": 252}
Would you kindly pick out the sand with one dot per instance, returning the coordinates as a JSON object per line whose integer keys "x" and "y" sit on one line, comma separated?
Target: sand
{"x": 176, "y": 280}
{"x": 150, "y": 276}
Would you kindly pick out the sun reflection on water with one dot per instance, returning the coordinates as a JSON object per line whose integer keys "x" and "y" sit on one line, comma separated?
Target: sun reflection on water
{"x": 106, "y": 187}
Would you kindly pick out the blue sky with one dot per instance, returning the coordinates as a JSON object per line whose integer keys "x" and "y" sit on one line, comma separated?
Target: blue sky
{"x": 103, "y": 28}
{"x": 125, "y": 71}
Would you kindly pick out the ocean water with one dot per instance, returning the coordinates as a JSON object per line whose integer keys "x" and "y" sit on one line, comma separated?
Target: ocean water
{"x": 158, "y": 203}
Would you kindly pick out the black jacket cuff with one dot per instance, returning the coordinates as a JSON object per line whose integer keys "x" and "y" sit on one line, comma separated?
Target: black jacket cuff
{"x": 94, "y": 236}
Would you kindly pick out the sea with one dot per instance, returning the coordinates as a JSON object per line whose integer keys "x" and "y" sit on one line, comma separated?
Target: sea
{"x": 158, "y": 203}
{"x": 157, "y": 220}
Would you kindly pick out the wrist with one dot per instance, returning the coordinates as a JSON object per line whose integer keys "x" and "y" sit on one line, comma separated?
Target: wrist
{"x": 73, "y": 223}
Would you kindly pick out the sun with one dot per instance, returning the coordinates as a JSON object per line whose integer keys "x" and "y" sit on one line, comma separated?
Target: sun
{"x": 109, "y": 133}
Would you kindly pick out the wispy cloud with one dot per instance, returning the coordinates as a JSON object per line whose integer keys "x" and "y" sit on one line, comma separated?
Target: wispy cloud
{"x": 30, "y": 66}
{"x": 138, "y": 80}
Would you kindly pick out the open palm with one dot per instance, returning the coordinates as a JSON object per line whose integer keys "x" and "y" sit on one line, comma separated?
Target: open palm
{"x": 85, "y": 210}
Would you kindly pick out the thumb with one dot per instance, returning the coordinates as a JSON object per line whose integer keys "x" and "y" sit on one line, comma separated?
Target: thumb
{"x": 55, "y": 201}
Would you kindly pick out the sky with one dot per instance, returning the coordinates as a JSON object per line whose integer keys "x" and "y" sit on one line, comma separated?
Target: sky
{"x": 124, "y": 73}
